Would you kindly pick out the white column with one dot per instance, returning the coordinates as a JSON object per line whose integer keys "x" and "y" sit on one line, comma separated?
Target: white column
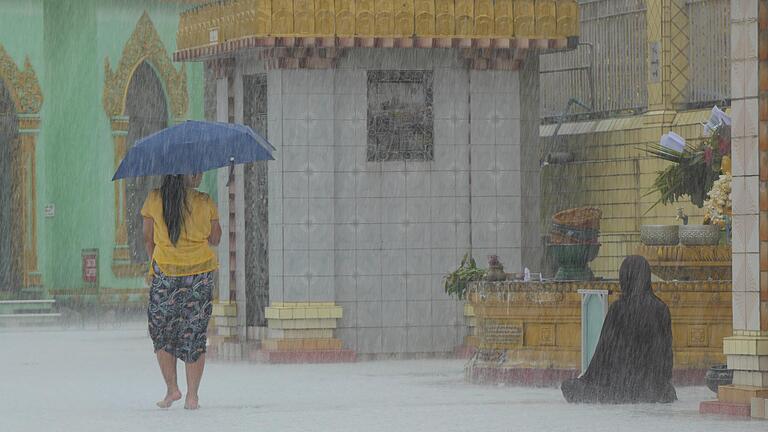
{"x": 240, "y": 214}
{"x": 222, "y": 115}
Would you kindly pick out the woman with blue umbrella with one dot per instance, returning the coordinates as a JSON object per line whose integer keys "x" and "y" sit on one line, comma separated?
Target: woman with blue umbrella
{"x": 181, "y": 226}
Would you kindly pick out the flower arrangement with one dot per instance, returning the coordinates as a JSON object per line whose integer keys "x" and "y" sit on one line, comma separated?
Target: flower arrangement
{"x": 695, "y": 168}
{"x": 718, "y": 205}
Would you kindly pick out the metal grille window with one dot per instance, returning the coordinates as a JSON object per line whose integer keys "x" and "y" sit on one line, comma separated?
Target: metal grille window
{"x": 709, "y": 24}
{"x": 608, "y": 71}
{"x": 400, "y": 122}
{"x": 255, "y": 102}
{"x": 256, "y": 204}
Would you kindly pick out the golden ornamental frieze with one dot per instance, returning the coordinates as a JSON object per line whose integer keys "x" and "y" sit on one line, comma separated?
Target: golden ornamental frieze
{"x": 21, "y": 83}
{"x": 223, "y": 21}
{"x": 144, "y": 45}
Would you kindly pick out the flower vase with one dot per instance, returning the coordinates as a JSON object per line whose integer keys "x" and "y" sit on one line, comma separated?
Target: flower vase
{"x": 495, "y": 274}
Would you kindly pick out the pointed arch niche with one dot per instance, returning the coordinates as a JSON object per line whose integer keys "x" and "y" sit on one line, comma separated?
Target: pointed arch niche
{"x": 144, "y": 46}
{"x": 24, "y": 89}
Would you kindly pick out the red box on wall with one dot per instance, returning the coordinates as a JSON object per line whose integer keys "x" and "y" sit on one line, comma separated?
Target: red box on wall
{"x": 90, "y": 265}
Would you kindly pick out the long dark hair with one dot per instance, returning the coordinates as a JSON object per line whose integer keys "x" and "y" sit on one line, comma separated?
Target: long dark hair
{"x": 174, "y": 194}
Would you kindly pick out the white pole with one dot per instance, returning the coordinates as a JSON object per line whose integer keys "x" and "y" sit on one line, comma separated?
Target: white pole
{"x": 222, "y": 115}
{"x": 239, "y": 187}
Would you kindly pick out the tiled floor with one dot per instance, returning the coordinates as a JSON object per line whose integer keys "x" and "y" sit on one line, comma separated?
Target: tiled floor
{"x": 107, "y": 380}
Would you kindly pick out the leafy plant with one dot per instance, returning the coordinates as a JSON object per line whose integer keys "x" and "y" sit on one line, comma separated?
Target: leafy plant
{"x": 694, "y": 169}
{"x": 691, "y": 177}
{"x": 455, "y": 283}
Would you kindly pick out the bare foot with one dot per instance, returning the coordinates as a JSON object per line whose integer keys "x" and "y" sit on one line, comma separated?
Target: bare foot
{"x": 170, "y": 397}
{"x": 191, "y": 403}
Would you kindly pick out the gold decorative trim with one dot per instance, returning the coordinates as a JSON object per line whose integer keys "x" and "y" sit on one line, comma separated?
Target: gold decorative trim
{"x": 24, "y": 89}
{"x": 223, "y": 21}
{"x": 23, "y": 84}
{"x": 567, "y": 17}
{"x": 144, "y": 44}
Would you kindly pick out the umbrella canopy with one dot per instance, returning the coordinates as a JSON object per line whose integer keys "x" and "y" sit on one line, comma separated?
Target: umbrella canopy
{"x": 193, "y": 147}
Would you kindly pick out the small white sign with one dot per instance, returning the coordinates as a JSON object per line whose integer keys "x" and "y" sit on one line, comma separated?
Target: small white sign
{"x": 654, "y": 68}
{"x": 50, "y": 210}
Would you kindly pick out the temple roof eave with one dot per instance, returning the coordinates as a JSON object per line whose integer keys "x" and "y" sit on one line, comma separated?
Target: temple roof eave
{"x": 226, "y": 27}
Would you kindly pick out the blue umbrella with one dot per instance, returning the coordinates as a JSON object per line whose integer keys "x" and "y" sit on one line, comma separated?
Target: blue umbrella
{"x": 193, "y": 147}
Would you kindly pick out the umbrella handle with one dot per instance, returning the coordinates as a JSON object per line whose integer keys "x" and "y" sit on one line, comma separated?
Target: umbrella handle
{"x": 231, "y": 171}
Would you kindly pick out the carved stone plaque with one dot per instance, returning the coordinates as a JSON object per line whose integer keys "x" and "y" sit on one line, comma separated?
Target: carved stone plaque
{"x": 501, "y": 332}
{"x": 547, "y": 337}
{"x": 697, "y": 336}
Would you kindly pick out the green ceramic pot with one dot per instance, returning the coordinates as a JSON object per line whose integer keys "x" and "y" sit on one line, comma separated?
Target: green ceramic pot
{"x": 699, "y": 235}
{"x": 573, "y": 260}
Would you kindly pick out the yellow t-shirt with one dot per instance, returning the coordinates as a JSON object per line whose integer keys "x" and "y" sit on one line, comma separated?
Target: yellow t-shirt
{"x": 192, "y": 254}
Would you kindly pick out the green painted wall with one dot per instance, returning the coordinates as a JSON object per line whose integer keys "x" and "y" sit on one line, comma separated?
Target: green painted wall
{"x": 68, "y": 42}
{"x": 21, "y": 31}
{"x": 75, "y": 151}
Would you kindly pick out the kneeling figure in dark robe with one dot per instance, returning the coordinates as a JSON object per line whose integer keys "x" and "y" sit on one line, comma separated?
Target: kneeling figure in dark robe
{"x": 633, "y": 358}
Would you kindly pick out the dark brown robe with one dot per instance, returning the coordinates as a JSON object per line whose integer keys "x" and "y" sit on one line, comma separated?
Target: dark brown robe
{"x": 633, "y": 358}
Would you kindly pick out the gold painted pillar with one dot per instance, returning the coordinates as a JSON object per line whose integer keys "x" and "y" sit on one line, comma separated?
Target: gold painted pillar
{"x": 667, "y": 30}
{"x": 121, "y": 255}
{"x": 29, "y": 129}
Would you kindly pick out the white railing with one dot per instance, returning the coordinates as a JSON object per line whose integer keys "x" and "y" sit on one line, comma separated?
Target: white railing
{"x": 709, "y": 65}
{"x": 608, "y": 70}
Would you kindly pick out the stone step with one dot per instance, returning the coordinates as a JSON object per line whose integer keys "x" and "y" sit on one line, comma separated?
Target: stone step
{"x": 740, "y": 395}
{"x": 464, "y": 351}
{"x": 725, "y": 408}
{"x": 758, "y": 408}
{"x": 301, "y": 344}
{"x": 282, "y": 357}
{"x": 26, "y": 307}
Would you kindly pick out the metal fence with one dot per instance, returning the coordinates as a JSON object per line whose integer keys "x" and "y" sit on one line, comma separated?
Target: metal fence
{"x": 709, "y": 63}
{"x": 608, "y": 70}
